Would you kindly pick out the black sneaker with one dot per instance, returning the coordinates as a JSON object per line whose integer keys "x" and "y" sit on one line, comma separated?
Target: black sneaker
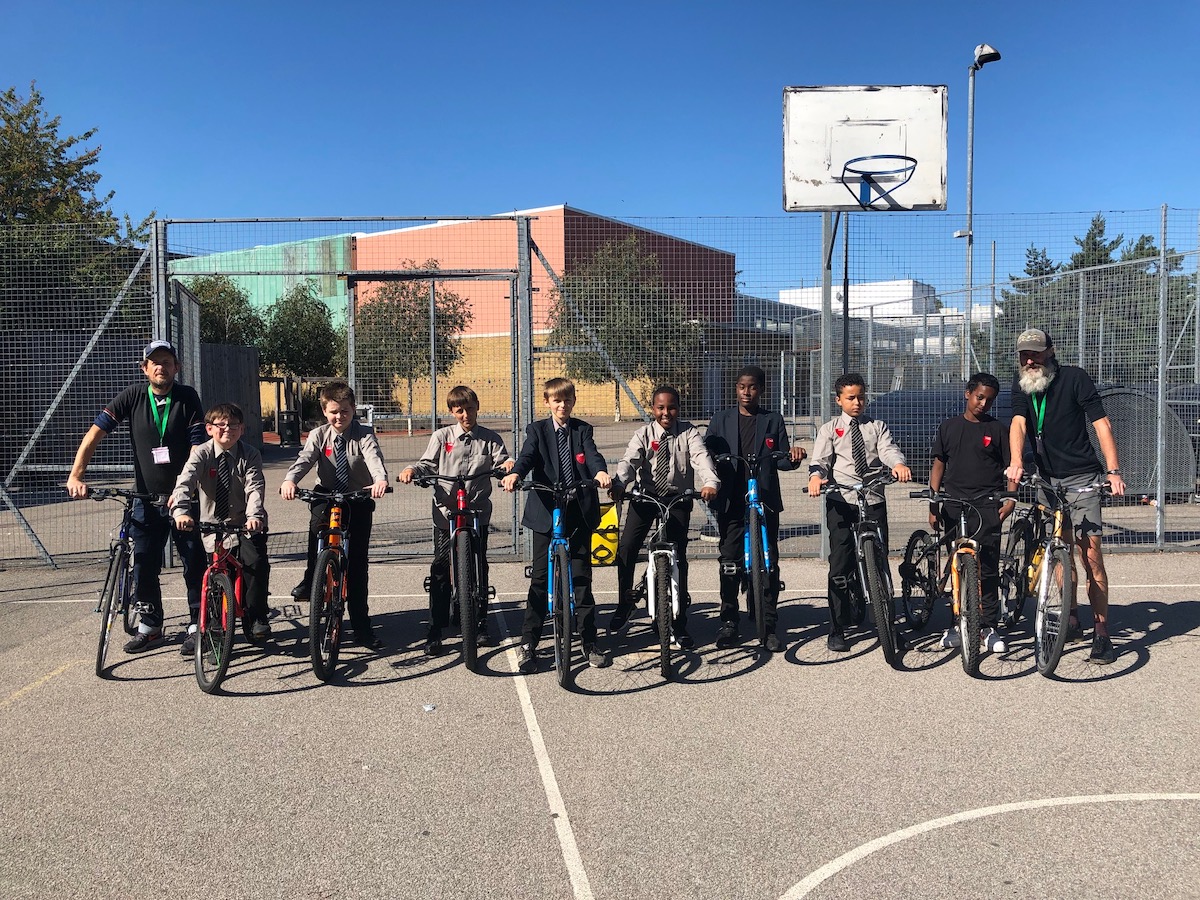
{"x": 620, "y": 618}
{"x": 260, "y": 632}
{"x": 773, "y": 644}
{"x": 680, "y": 638}
{"x": 365, "y": 637}
{"x": 1103, "y": 652}
{"x": 144, "y": 640}
{"x": 837, "y": 642}
{"x": 434, "y": 648}
{"x": 301, "y": 591}
{"x": 596, "y": 657}
{"x": 483, "y": 637}
{"x": 727, "y": 636}
{"x": 1074, "y": 632}
{"x": 188, "y": 647}
{"x": 526, "y": 661}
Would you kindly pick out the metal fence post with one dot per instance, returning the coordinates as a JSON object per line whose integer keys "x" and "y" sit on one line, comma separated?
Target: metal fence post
{"x": 1161, "y": 432}
{"x": 433, "y": 413}
{"x": 524, "y": 339}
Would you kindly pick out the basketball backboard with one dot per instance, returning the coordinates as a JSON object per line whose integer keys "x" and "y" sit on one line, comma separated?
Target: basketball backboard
{"x": 856, "y": 147}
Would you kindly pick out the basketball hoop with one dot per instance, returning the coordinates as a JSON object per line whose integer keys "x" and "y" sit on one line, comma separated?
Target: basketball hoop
{"x": 873, "y": 174}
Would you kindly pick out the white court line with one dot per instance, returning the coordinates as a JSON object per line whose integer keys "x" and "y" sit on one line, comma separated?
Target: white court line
{"x": 805, "y": 887}
{"x": 580, "y": 886}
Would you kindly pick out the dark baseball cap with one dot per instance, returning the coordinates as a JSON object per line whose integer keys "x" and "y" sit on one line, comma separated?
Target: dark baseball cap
{"x": 1034, "y": 339}
{"x": 158, "y": 345}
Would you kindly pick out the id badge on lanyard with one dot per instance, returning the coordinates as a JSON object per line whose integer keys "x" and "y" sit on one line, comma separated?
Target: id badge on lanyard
{"x": 1040, "y": 409}
{"x": 161, "y": 453}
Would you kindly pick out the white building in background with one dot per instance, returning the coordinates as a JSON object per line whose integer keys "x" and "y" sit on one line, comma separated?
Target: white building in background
{"x": 903, "y": 298}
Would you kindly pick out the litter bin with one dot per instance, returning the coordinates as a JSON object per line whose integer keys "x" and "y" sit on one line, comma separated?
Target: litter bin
{"x": 289, "y": 428}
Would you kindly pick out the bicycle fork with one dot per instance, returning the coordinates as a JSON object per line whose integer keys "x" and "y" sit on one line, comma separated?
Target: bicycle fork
{"x": 652, "y": 580}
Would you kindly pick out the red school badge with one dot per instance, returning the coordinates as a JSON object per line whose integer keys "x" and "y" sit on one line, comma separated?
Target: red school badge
{"x": 654, "y": 446}
{"x": 839, "y": 431}
{"x": 987, "y": 440}
{"x": 212, "y": 473}
{"x": 579, "y": 458}
{"x": 449, "y": 446}
{"x": 770, "y": 443}
{"x": 329, "y": 451}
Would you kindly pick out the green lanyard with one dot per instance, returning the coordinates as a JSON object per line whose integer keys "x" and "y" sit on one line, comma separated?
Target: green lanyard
{"x": 1040, "y": 408}
{"x": 159, "y": 420}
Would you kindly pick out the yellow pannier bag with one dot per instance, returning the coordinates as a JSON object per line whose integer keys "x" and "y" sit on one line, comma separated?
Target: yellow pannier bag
{"x": 604, "y": 538}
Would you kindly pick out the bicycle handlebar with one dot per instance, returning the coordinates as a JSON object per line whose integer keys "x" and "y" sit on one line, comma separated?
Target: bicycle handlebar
{"x": 752, "y": 462}
{"x": 312, "y": 496}
{"x": 221, "y": 529}
{"x": 942, "y": 497}
{"x": 429, "y": 480}
{"x": 663, "y": 503}
{"x": 121, "y": 494}
{"x": 870, "y": 486}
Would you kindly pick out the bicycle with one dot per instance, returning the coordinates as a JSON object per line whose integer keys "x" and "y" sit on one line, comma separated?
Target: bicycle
{"x": 560, "y": 585}
{"x": 1014, "y": 564}
{"x": 116, "y": 597}
{"x": 327, "y": 596}
{"x": 467, "y": 563}
{"x": 1050, "y": 575}
{"x": 756, "y": 548}
{"x": 922, "y": 577}
{"x": 221, "y": 607}
{"x": 664, "y": 601}
{"x": 874, "y": 575}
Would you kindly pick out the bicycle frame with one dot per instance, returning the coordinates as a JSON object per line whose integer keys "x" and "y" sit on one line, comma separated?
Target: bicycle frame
{"x": 224, "y": 561}
{"x": 657, "y": 548}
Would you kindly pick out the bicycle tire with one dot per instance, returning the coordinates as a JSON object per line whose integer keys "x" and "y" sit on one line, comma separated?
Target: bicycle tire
{"x": 881, "y": 602}
{"x": 130, "y": 614}
{"x": 969, "y": 612}
{"x": 1014, "y": 572}
{"x": 1052, "y": 617}
{"x": 919, "y": 578}
{"x": 562, "y": 616}
{"x": 214, "y": 637}
{"x": 465, "y": 587}
{"x": 758, "y": 577}
{"x": 662, "y": 612}
{"x": 325, "y": 613}
{"x": 117, "y": 565}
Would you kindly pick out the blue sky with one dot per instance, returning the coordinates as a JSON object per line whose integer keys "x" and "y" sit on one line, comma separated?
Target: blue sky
{"x": 626, "y": 109}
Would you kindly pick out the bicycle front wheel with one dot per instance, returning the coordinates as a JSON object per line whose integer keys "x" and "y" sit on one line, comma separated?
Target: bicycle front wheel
{"x": 880, "y": 598}
{"x": 758, "y": 576}
{"x": 1014, "y": 572}
{"x": 563, "y": 625}
{"x": 1053, "y": 611}
{"x": 325, "y": 613}
{"x": 214, "y": 638}
{"x": 662, "y": 611}
{"x": 130, "y": 614}
{"x": 919, "y": 579}
{"x": 968, "y": 612}
{"x": 110, "y": 601}
{"x": 466, "y": 588}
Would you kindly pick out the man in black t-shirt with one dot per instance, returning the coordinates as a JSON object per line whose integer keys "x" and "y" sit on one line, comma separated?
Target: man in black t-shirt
{"x": 165, "y": 421}
{"x": 1054, "y": 403}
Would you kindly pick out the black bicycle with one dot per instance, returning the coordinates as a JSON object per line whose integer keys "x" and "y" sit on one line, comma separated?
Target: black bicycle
{"x": 116, "y": 597}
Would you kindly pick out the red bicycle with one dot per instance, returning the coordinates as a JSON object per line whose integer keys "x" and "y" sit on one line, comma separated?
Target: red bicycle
{"x": 221, "y": 607}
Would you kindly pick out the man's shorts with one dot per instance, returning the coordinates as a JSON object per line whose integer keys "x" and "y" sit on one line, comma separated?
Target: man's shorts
{"x": 1085, "y": 508}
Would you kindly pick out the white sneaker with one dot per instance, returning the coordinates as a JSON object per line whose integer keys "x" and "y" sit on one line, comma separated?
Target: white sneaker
{"x": 991, "y": 641}
{"x": 951, "y": 638}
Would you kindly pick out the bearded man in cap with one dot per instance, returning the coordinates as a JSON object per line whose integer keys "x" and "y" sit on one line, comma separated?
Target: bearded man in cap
{"x": 165, "y": 421}
{"x": 1053, "y": 403}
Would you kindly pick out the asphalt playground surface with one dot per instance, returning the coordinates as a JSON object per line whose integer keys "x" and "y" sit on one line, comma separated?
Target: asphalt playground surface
{"x": 802, "y": 774}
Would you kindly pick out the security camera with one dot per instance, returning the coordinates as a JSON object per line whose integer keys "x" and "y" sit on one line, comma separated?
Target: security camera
{"x": 984, "y": 54}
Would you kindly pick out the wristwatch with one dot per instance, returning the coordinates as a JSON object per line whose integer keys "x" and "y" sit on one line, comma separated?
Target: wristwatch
{"x": 1114, "y": 472}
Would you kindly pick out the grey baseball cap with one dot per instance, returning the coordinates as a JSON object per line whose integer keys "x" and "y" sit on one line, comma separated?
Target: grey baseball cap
{"x": 1033, "y": 339}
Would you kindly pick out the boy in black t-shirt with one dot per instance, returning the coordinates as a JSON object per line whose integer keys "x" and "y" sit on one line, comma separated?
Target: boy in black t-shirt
{"x": 969, "y": 455}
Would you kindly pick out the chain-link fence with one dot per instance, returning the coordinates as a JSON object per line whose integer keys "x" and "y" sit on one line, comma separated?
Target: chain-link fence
{"x": 504, "y": 303}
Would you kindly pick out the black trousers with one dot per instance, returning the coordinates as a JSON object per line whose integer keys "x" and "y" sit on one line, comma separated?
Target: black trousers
{"x": 256, "y": 575}
{"x": 639, "y": 519}
{"x": 732, "y": 527}
{"x": 357, "y": 520}
{"x": 580, "y": 541}
{"x": 984, "y": 526}
{"x": 439, "y": 581}
{"x": 841, "y": 518}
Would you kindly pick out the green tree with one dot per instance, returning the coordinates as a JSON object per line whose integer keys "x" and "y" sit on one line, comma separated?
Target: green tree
{"x": 300, "y": 338}
{"x": 616, "y": 306}
{"x": 226, "y": 316}
{"x": 391, "y": 336}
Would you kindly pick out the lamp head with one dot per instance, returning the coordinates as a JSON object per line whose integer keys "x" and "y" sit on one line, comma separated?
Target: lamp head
{"x": 984, "y": 54}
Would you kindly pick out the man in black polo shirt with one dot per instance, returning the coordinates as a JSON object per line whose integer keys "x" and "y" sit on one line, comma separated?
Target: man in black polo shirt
{"x": 165, "y": 421}
{"x": 1054, "y": 403}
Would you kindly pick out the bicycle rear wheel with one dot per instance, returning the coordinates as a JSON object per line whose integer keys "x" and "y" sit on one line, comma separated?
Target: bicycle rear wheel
{"x": 1053, "y": 611}
{"x": 466, "y": 588}
{"x": 110, "y": 601}
{"x": 562, "y": 616}
{"x": 325, "y": 613}
{"x": 880, "y": 598}
{"x": 919, "y": 579}
{"x": 968, "y": 612}
{"x": 214, "y": 638}
{"x": 130, "y": 614}
{"x": 758, "y": 577}
{"x": 1014, "y": 572}
{"x": 662, "y": 611}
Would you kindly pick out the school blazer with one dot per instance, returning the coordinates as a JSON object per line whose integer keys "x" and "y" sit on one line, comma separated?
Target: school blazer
{"x": 539, "y": 458}
{"x": 722, "y": 437}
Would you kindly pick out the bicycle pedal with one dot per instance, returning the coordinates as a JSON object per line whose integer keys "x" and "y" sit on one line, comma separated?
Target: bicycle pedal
{"x": 529, "y": 571}
{"x": 491, "y": 592}
{"x": 728, "y": 568}
{"x": 427, "y": 583}
{"x": 782, "y": 586}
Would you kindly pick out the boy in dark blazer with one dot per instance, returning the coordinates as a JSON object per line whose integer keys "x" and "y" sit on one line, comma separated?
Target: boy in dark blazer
{"x": 560, "y": 448}
{"x": 744, "y": 430}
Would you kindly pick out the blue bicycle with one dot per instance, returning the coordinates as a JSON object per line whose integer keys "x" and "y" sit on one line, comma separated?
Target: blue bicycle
{"x": 757, "y": 564}
{"x": 559, "y": 583}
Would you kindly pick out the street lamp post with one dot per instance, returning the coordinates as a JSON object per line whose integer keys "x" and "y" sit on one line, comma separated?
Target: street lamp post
{"x": 984, "y": 54}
